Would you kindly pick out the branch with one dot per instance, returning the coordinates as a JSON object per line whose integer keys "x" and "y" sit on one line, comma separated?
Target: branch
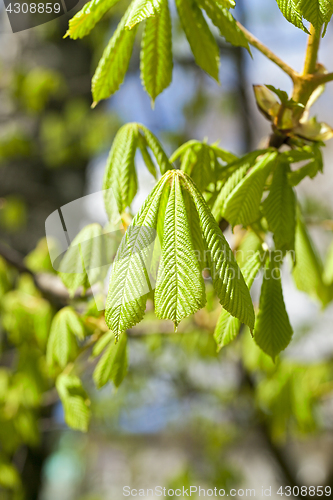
{"x": 268, "y": 53}
{"x": 50, "y": 285}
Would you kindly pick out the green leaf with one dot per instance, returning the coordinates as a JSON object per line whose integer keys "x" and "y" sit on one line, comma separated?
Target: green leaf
{"x": 101, "y": 343}
{"x": 157, "y": 150}
{"x": 291, "y": 12}
{"x": 156, "y": 53}
{"x": 142, "y": 143}
{"x": 180, "y": 288}
{"x": 328, "y": 270}
{"x": 62, "y": 346}
{"x": 242, "y": 205}
{"x": 317, "y": 12}
{"x": 228, "y": 187}
{"x": 129, "y": 281}
{"x": 225, "y": 22}
{"x": 308, "y": 271}
{"x": 266, "y": 101}
{"x": 280, "y": 209}
{"x": 75, "y": 401}
{"x": 83, "y": 264}
{"x": 112, "y": 67}
{"x": 273, "y": 331}
{"x": 87, "y": 18}
{"x": 141, "y": 10}
{"x": 199, "y": 163}
{"x": 113, "y": 364}
{"x": 199, "y": 36}
{"x": 227, "y": 279}
{"x": 120, "y": 174}
{"x": 227, "y": 327}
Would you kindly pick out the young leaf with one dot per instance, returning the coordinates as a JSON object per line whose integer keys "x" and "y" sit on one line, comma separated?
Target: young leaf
{"x": 227, "y": 327}
{"x": 120, "y": 174}
{"x": 62, "y": 345}
{"x": 225, "y": 22}
{"x": 227, "y": 278}
{"x": 199, "y": 163}
{"x": 180, "y": 288}
{"x": 87, "y": 18}
{"x": 242, "y": 205}
{"x": 75, "y": 401}
{"x": 142, "y": 143}
{"x": 83, "y": 264}
{"x": 112, "y": 67}
{"x": 290, "y": 10}
{"x": 113, "y": 364}
{"x": 129, "y": 280}
{"x": 317, "y": 12}
{"x": 273, "y": 331}
{"x": 328, "y": 270}
{"x": 308, "y": 271}
{"x": 232, "y": 181}
{"x": 280, "y": 209}
{"x": 156, "y": 53}
{"x": 199, "y": 36}
{"x": 157, "y": 150}
{"x": 141, "y": 10}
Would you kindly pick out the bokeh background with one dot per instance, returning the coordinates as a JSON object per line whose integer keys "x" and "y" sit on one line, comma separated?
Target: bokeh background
{"x": 185, "y": 414}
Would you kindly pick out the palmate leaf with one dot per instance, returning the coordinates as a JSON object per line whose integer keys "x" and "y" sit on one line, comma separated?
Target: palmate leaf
{"x": 156, "y": 52}
{"x": 120, "y": 174}
{"x": 156, "y": 148}
{"x": 62, "y": 345}
{"x": 75, "y": 401}
{"x": 317, "y": 12}
{"x": 225, "y": 22}
{"x": 227, "y": 278}
{"x": 227, "y": 327}
{"x": 129, "y": 280}
{"x": 180, "y": 288}
{"x": 87, "y": 18}
{"x": 112, "y": 67}
{"x": 113, "y": 363}
{"x": 308, "y": 271}
{"x": 233, "y": 180}
{"x": 242, "y": 205}
{"x": 199, "y": 163}
{"x": 273, "y": 331}
{"x": 280, "y": 209}
{"x": 141, "y": 10}
{"x": 82, "y": 264}
{"x": 199, "y": 36}
{"x": 177, "y": 202}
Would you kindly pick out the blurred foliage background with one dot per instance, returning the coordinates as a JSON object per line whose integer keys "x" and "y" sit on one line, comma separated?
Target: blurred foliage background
{"x": 184, "y": 414}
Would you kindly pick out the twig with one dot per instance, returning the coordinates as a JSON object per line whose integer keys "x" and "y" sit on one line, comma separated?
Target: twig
{"x": 268, "y": 53}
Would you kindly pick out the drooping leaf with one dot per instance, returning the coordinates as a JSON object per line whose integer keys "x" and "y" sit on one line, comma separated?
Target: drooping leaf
{"x": 112, "y": 67}
{"x": 227, "y": 327}
{"x": 156, "y": 52}
{"x": 273, "y": 331}
{"x": 120, "y": 179}
{"x": 62, "y": 346}
{"x": 84, "y": 262}
{"x": 280, "y": 209}
{"x": 180, "y": 288}
{"x": 87, "y": 18}
{"x": 129, "y": 280}
{"x": 308, "y": 271}
{"x": 242, "y": 205}
{"x": 292, "y": 13}
{"x": 199, "y": 163}
{"x": 142, "y": 143}
{"x": 157, "y": 150}
{"x": 140, "y": 10}
{"x": 113, "y": 363}
{"x": 317, "y": 12}
{"x": 225, "y": 22}
{"x": 232, "y": 181}
{"x": 227, "y": 278}
{"x": 75, "y": 401}
{"x": 199, "y": 36}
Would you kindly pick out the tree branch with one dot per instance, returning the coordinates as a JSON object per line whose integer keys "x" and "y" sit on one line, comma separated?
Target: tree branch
{"x": 268, "y": 53}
